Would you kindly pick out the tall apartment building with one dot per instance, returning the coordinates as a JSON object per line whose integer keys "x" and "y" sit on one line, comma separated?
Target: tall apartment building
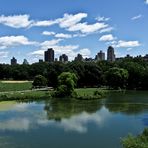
{"x": 25, "y": 62}
{"x": 100, "y": 56}
{"x": 110, "y": 54}
{"x": 79, "y": 57}
{"x": 49, "y": 55}
{"x": 63, "y": 58}
{"x": 13, "y": 61}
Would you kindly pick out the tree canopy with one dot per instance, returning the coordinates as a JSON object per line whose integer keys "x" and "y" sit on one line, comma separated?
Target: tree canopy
{"x": 131, "y": 73}
{"x": 117, "y": 77}
{"x": 39, "y": 81}
{"x": 66, "y": 84}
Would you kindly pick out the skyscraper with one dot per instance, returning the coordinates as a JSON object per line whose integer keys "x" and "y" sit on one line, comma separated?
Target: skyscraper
{"x": 100, "y": 56}
{"x": 13, "y": 61}
{"x": 79, "y": 57}
{"x": 49, "y": 55}
{"x": 63, "y": 58}
{"x": 110, "y": 54}
{"x": 25, "y": 62}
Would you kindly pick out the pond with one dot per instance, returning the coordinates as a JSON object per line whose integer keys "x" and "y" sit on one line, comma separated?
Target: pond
{"x": 73, "y": 124}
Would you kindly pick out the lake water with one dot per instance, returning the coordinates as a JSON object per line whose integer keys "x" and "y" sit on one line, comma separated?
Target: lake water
{"x": 77, "y": 124}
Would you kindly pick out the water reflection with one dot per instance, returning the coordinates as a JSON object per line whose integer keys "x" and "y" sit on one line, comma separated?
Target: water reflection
{"x": 59, "y": 109}
{"x": 15, "y": 124}
{"x": 79, "y": 123}
{"x": 74, "y": 116}
{"x": 95, "y": 124}
{"x": 69, "y": 115}
{"x": 127, "y": 103}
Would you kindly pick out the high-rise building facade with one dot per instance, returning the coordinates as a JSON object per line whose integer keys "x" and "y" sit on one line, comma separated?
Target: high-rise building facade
{"x": 110, "y": 54}
{"x": 63, "y": 58}
{"x": 100, "y": 56}
{"x": 25, "y": 62}
{"x": 13, "y": 61}
{"x": 49, "y": 55}
{"x": 79, "y": 57}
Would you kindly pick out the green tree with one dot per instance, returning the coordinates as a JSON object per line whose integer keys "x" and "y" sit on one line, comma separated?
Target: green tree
{"x": 53, "y": 71}
{"x": 66, "y": 84}
{"x": 141, "y": 141}
{"x": 117, "y": 78}
{"x": 39, "y": 81}
{"x": 88, "y": 73}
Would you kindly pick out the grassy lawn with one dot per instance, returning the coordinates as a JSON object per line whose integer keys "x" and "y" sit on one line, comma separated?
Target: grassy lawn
{"x": 83, "y": 93}
{"x": 15, "y": 85}
{"x": 87, "y": 91}
{"x": 33, "y": 95}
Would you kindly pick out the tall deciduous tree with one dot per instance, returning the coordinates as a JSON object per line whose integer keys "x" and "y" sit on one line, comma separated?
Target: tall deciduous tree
{"x": 66, "y": 84}
{"x": 117, "y": 77}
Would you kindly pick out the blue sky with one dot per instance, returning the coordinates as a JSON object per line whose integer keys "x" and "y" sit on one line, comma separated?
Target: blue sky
{"x": 28, "y": 28}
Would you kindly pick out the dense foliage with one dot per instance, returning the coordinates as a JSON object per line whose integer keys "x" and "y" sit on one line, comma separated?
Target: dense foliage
{"x": 141, "y": 141}
{"x": 66, "y": 84}
{"x": 131, "y": 73}
{"x": 117, "y": 77}
{"x": 39, "y": 81}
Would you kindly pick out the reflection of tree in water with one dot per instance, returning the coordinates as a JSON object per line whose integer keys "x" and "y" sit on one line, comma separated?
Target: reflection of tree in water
{"x": 58, "y": 109}
{"x": 126, "y": 103}
{"x": 126, "y": 108}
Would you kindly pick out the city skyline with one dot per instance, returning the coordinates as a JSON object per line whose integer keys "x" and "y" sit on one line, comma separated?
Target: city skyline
{"x": 49, "y": 56}
{"x": 27, "y": 32}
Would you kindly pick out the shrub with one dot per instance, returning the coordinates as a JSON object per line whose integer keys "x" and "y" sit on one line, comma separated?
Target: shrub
{"x": 39, "y": 81}
{"x": 141, "y": 141}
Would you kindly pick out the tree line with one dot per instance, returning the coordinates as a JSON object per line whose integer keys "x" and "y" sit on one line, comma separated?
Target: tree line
{"x": 129, "y": 73}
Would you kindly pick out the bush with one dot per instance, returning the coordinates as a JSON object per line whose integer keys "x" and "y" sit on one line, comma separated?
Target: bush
{"x": 141, "y": 141}
{"x": 99, "y": 93}
{"x": 39, "y": 81}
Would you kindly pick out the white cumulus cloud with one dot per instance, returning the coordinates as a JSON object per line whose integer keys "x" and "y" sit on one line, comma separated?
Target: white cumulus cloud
{"x": 108, "y": 29}
{"x": 44, "y": 23}
{"x": 16, "y": 21}
{"x": 87, "y": 28}
{"x": 48, "y": 44}
{"x": 108, "y": 37}
{"x": 136, "y": 17}
{"x": 11, "y": 41}
{"x": 3, "y": 54}
{"x": 85, "y": 52}
{"x": 146, "y": 1}
{"x": 69, "y": 19}
{"x": 66, "y": 21}
{"x": 48, "y": 33}
{"x": 70, "y": 22}
{"x": 102, "y": 18}
{"x": 127, "y": 44}
{"x": 62, "y": 35}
